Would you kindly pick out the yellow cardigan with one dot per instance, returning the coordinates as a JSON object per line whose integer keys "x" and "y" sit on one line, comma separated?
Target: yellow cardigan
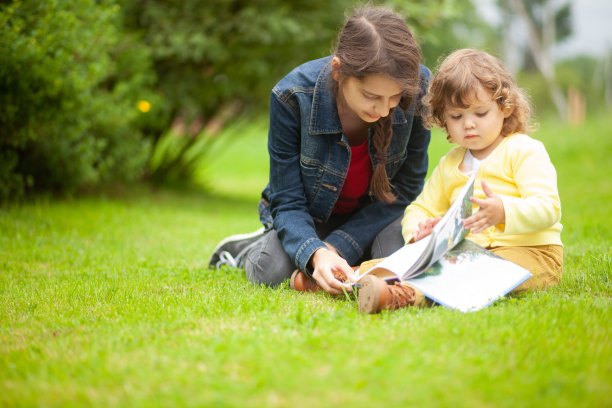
{"x": 519, "y": 170}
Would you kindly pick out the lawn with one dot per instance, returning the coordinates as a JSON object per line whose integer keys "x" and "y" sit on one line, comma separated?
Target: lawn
{"x": 107, "y": 301}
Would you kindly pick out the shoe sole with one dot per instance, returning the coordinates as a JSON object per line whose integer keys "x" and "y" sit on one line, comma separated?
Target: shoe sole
{"x": 293, "y": 276}
{"x": 369, "y": 295}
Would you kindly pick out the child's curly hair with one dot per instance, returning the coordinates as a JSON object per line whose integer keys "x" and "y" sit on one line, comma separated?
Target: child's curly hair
{"x": 456, "y": 84}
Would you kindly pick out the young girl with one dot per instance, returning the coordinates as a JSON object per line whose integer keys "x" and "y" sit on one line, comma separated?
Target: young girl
{"x": 348, "y": 152}
{"x": 516, "y": 203}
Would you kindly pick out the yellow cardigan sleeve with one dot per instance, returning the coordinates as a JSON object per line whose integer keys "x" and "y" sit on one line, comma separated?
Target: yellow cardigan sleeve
{"x": 537, "y": 206}
{"x": 431, "y": 203}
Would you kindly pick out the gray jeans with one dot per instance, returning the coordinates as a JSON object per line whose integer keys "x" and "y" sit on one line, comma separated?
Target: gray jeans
{"x": 268, "y": 263}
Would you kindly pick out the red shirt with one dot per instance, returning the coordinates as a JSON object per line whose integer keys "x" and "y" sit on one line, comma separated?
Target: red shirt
{"x": 357, "y": 180}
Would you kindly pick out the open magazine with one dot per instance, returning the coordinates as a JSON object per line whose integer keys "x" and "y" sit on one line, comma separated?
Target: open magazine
{"x": 411, "y": 260}
{"x": 448, "y": 269}
{"x": 469, "y": 278}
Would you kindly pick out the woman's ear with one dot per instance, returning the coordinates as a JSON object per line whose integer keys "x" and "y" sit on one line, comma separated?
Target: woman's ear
{"x": 335, "y": 65}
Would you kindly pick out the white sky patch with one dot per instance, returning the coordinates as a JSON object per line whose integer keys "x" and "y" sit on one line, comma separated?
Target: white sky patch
{"x": 591, "y": 26}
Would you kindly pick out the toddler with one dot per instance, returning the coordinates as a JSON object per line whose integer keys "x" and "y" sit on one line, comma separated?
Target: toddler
{"x": 516, "y": 203}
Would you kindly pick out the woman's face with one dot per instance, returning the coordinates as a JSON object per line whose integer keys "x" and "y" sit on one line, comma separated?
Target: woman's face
{"x": 372, "y": 97}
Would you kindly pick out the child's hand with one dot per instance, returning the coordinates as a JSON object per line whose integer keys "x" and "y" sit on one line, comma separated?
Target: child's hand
{"x": 491, "y": 211}
{"x": 425, "y": 228}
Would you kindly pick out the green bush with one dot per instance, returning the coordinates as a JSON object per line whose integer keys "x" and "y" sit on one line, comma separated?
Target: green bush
{"x": 91, "y": 91}
{"x": 69, "y": 86}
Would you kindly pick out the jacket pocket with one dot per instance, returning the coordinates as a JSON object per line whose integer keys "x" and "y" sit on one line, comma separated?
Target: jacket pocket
{"x": 312, "y": 174}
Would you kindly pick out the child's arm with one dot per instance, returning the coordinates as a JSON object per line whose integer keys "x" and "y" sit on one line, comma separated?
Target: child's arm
{"x": 529, "y": 201}
{"x": 423, "y": 213}
{"x": 538, "y": 206}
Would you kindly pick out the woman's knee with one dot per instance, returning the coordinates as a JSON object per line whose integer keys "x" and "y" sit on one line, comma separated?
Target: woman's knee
{"x": 388, "y": 240}
{"x": 268, "y": 263}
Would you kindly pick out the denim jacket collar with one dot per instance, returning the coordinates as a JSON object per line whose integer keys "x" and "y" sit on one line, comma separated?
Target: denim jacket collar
{"x": 324, "y": 101}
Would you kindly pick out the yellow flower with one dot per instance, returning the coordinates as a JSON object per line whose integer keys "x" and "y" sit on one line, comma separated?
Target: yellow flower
{"x": 144, "y": 106}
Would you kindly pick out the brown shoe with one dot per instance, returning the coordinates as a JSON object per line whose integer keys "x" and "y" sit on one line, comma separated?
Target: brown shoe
{"x": 375, "y": 295}
{"x": 303, "y": 283}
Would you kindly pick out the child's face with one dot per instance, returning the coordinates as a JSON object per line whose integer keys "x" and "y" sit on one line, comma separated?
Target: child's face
{"x": 476, "y": 127}
{"x": 372, "y": 97}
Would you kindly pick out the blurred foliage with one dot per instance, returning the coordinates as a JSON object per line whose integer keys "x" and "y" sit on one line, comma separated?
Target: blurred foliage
{"x": 91, "y": 90}
{"x": 95, "y": 91}
{"x": 208, "y": 53}
{"x": 562, "y": 17}
{"x": 588, "y": 75}
{"x": 218, "y": 59}
{"x": 444, "y": 26}
{"x": 68, "y": 83}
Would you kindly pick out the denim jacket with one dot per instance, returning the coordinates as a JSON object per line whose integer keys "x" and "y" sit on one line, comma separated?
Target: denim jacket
{"x": 309, "y": 160}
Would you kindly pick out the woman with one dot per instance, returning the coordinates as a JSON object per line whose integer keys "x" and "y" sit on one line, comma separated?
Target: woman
{"x": 348, "y": 152}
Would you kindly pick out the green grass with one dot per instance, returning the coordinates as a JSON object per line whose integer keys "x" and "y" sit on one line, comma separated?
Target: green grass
{"x": 107, "y": 301}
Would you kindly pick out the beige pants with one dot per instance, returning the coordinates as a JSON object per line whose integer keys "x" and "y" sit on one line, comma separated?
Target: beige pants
{"x": 545, "y": 262}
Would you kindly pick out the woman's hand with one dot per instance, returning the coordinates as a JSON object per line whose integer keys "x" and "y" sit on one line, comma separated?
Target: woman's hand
{"x": 491, "y": 211}
{"x": 425, "y": 228}
{"x": 327, "y": 263}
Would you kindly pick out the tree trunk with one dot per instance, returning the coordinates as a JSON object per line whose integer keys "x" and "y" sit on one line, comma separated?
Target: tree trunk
{"x": 540, "y": 48}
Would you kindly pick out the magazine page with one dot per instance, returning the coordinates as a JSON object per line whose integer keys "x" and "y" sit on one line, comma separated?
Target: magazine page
{"x": 469, "y": 278}
{"x": 449, "y": 231}
{"x": 412, "y": 259}
{"x": 401, "y": 261}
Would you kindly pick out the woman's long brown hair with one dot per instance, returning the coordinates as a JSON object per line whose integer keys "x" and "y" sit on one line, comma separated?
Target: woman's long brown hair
{"x": 375, "y": 40}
